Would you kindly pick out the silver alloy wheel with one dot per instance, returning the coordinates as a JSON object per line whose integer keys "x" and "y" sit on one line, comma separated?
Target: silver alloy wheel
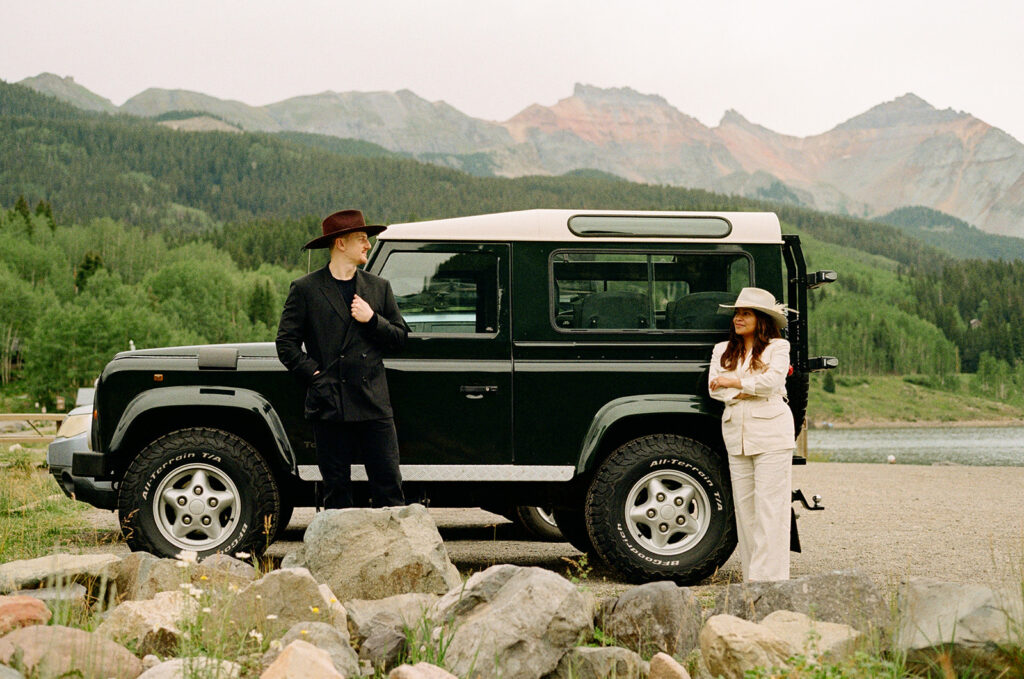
{"x": 196, "y": 507}
{"x": 546, "y": 516}
{"x": 667, "y": 512}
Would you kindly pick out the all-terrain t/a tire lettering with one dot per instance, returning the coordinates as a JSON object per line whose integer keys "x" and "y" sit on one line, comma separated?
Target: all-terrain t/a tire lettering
{"x": 660, "y": 507}
{"x": 200, "y": 490}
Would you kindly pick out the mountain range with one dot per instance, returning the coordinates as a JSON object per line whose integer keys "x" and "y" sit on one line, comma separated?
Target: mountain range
{"x": 899, "y": 153}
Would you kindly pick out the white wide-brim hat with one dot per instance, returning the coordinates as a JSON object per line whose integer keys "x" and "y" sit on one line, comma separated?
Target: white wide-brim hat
{"x": 762, "y": 300}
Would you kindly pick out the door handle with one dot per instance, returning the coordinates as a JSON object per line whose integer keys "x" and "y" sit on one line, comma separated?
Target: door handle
{"x": 476, "y": 391}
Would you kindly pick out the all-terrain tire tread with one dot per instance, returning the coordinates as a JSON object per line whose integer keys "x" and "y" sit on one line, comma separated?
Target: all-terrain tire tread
{"x": 245, "y": 455}
{"x": 602, "y": 490}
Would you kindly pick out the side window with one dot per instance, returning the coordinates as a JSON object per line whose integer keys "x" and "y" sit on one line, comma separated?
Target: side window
{"x": 445, "y": 292}
{"x": 633, "y": 291}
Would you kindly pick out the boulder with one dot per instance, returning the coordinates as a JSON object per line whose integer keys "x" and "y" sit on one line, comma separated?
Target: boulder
{"x": 973, "y": 626}
{"x": 57, "y": 569}
{"x": 383, "y": 648}
{"x": 664, "y": 666}
{"x": 222, "y": 563}
{"x": 846, "y": 597}
{"x": 731, "y": 646}
{"x": 153, "y": 625}
{"x": 584, "y": 662}
{"x": 140, "y": 575}
{"x": 421, "y": 670}
{"x": 21, "y": 611}
{"x": 283, "y": 598}
{"x": 511, "y": 622}
{"x": 10, "y": 673}
{"x": 193, "y": 667}
{"x": 365, "y": 616}
{"x": 376, "y": 553}
{"x": 325, "y": 637}
{"x": 295, "y": 558}
{"x": 813, "y": 639}
{"x": 658, "y": 616}
{"x": 56, "y": 650}
{"x": 67, "y": 598}
{"x": 302, "y": 660}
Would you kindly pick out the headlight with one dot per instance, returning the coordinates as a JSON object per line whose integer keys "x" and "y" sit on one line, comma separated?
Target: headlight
{"x": 74, "y": 425}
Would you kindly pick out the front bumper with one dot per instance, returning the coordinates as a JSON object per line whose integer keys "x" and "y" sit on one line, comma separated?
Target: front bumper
{"x": 75, "y": 468}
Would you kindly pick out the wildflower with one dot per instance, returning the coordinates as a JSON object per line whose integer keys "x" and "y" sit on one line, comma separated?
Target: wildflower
{"x": 207, "y": 609}
{"x": 302, "y": 631}
{"x": 187, "y": 556}
{"x": 271, "y": 616}
{"x": 259, "y": 596}
{"x": 242, "y": 555}
{"x": 258, "y": 636}
{"x": 203, "y": 577}
{"x": 233, "y": 587}
{"x": 315, "y": 609}
{"x": 334, "y": 600}
{"x": 276, "y": 645}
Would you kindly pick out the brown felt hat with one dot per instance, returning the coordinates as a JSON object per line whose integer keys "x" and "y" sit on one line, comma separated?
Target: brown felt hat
{"x": 340, "y": 223}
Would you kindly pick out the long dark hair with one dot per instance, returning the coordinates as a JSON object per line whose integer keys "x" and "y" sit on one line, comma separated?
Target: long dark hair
{"x": 764, "y": 331}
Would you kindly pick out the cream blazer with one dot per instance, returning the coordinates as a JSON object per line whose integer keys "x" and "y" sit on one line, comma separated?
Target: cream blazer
{"x": 762, "y": 421}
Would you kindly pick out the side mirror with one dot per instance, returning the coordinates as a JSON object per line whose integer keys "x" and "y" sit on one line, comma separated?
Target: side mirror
{"x": 819, "y": 278}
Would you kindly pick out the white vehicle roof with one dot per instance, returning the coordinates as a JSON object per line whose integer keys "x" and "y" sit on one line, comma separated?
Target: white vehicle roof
{"x": 553, "y": 225}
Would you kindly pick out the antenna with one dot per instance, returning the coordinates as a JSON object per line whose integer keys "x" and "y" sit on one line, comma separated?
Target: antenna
{"x": 309, "y": 259}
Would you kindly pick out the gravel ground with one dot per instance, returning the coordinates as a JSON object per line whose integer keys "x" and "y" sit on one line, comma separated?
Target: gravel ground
{"x": 889, "y": 521}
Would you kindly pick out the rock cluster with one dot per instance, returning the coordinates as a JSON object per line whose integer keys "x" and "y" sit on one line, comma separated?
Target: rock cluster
{"x": 506, "y": 621}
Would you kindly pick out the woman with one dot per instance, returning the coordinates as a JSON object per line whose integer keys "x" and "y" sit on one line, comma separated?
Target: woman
{"x": 748, "y": 372}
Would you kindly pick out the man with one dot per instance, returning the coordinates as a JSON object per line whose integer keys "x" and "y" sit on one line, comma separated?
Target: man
{"x": 336, "y": 324}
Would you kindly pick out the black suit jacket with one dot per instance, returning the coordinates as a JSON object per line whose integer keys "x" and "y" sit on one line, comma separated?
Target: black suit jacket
{"x": 317, "y": 333}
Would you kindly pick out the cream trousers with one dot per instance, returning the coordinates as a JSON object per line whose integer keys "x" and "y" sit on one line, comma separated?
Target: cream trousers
{"x": 762, "y": 495}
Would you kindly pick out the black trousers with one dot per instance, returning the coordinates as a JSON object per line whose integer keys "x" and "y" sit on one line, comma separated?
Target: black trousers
{"x": 376, "y": 443}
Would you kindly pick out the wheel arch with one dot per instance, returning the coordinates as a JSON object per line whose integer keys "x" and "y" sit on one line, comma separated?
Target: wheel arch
{"x": 629, "y": 417}
{"x": 241, "y": 412}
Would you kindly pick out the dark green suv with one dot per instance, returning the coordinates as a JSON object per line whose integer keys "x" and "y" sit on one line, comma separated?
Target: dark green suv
{"x": 557, "y": 359}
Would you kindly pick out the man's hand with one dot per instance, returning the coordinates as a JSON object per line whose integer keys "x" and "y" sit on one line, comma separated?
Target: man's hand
{"x": 361, "y": 311}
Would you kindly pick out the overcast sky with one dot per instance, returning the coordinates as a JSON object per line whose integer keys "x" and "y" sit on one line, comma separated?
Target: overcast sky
{"x": 798, "y": 67}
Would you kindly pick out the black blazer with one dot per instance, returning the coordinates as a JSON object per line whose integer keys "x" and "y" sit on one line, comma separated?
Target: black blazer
{"x": 317, "y": 332}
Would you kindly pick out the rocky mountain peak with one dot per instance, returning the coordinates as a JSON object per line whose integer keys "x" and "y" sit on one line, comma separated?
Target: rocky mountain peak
{"x": 908, "y": 110}
{"x": 623, "y": 96}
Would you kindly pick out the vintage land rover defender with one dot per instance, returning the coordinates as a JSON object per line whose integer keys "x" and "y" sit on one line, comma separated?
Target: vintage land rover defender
{"x": 557, "y": 358}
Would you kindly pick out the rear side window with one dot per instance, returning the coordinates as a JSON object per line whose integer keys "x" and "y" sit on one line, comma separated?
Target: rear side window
{"x": 445, "y": 292}
{"x": 645, "y": 291}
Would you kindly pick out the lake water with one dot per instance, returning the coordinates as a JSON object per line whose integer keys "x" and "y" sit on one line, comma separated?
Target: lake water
{"x": 982, "y": 446}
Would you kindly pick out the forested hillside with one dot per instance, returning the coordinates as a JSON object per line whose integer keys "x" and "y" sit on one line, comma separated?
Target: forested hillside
{"x": 118, "y": 229}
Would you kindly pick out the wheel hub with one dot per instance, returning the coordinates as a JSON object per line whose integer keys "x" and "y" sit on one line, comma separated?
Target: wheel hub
{"x": 667, "y": 512}
{"x": 196, "y": 507}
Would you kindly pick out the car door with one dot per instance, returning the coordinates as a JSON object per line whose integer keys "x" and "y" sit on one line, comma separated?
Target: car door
{"x": 451, "y": 386}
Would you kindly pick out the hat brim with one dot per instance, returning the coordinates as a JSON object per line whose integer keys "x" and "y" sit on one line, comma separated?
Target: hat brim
{"x": 322, "y": 242}
{"x": 781, "y": 321}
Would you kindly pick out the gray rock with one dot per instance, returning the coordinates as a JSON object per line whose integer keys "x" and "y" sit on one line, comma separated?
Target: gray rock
{"x": 365, "y": 616}
{"x": 91, "y": 570}
{"x": 68, "y": 598}
{"x": 56, "y": 650}
{"x": 301, "y": 660}
{"x": 193, "y": 667}
{"x": 658, "y": 616}
{"x": 153, "y": 625}
{"x": 845, "y": 597}
{"x": 376, "y": 553}
{"x": 511, "y": 622}
{"x": 664, "y": 666}
{"x": 10, "y": 673}
{"x": 383, "y": 648}
{"x": 974, "y": 625}
{"x": 814, "y": 639}
{"x": 325, "y": 637}
{"x": 420, "y": 670}
{"x": 731, "y": 646}
{"x": 295, "y": 558}
{"x": 283, "y": 598}
{"x": 222, "y": 563}
{"x": 585, "y": 662}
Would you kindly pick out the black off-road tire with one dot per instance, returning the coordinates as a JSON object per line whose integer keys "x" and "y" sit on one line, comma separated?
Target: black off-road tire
{"x": 573, "y": 526}
{"x": 204, "y": 475}
{"x": 537, "y": 523}
{"x": 692, "y": 530}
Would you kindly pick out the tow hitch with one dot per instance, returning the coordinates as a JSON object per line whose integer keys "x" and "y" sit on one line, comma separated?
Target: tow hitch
{"x": 798, "y": 496}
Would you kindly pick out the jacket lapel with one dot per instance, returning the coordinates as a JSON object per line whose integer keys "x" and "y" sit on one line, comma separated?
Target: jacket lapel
{"x": 329, "y": 289}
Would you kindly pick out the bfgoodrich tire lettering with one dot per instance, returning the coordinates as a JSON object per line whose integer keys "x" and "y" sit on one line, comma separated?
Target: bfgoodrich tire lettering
{"x": 203, "y": 490}
{"x": 660, "y": 507}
